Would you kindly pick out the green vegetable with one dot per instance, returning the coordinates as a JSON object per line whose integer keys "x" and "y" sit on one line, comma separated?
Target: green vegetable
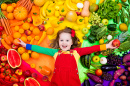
{"x": 112, "y": 27}
{"x": 129, "y": 1}
{"x": 91, "y": 38}
{"x": 125, "y": 46}
{"x": 86, "y": 60}
{"x": 117, "y": 19}
{"x": 93, "y": 30}
{"x": 8, "y": 1}
{"x": 101, "y": 32}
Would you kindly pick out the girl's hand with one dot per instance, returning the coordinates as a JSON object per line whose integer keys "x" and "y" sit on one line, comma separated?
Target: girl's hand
{"x": 22, "y": 43}
{"x": 110, "y": 46}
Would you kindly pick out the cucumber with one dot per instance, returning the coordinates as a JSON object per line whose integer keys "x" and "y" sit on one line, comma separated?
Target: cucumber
{"x": 91, "y": 38}
{"x": 112, "y": 27}
{"x": 86, "y": 60}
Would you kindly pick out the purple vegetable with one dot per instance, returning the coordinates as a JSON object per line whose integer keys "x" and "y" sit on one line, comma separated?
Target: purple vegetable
{"x": 98, "y": 85}
{"x": 118, "y": 73}
{"x": 95, "y": 78}
{"x": 127, "y": 64}
{"x": 126, "y": 73}
{"x": 128, "y": 78}
{"x": 112, "y": 83}
{"x": 126, "y": 58}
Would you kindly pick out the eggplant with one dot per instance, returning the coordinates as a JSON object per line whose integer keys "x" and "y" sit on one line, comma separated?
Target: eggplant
{"x": 86, "y": 83}
{"x": 109, "y": 67}
{"x": 112, "y": 27}
{"x": 98, "y": 85}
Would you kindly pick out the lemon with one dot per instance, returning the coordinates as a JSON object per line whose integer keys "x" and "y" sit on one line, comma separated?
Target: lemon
{"x": 39, "y": 2}
{"x": 88, "y": 26}
{"x": 96, "y": 59}
{"x": 16, "y": 28}
{"x": 123, "y": 27}
{"x": 101, "y": 41}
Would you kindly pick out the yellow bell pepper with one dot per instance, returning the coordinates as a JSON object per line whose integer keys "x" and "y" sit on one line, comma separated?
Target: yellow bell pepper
{"x": 80, "y": 20}
{"x": 63, "y": 11}
{"x": 50, "y": 11}
{"x": 55, "y": 23}
{"x": 57, "y": 14}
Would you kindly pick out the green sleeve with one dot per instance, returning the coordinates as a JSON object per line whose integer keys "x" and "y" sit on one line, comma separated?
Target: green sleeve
{"x": 43, "y": 50}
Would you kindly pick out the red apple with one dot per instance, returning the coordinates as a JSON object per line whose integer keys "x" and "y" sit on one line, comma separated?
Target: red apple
{"x": 3, "y": 58}
{"x": 30, "y": 20}
{"x": 22, "y": 78}
{"x": 78, "y": 13}
{"x": 1, "y": 28}
{"x": 27, "y": 32}
{"x": 41, "y": 27}
{"x": 61, "y": 18}
{"x": 15, "y": 84}
{"x": 116, "y": 43}
{"x": 14, "y": 46}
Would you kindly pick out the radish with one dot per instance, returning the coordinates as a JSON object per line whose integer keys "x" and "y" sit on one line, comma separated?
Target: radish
{"x": 95, "y": 78}
{"x": 112, "y": 83}
{"x": 118, "y": 73}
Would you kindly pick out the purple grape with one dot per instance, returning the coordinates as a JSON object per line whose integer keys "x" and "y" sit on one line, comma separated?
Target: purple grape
{"x": 126, "y": 73}
{"x": 34, "y": 75}
{"x": 117, "y": 84}
{"x": 128, "y": 78}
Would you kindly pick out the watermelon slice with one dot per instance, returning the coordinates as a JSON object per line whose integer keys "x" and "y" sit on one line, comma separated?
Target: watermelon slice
{"x": 13, "y": 58}
{"x": 31, "y": 82}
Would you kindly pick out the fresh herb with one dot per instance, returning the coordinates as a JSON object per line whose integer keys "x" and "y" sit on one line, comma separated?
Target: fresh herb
{"x": 108, "y": 9}
{"x": 8, "y": 1}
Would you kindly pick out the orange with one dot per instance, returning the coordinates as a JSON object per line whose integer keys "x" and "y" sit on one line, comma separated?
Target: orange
{"x": 24, "y": 39}
{"x": 13, "y": 4}
{"x": 10, "y": 16}
{"x": 37, "y": 38}
{"x": 101, "y": 41}
{"x": 21, "y": 50}
{"x": 35, "y": 55}
{"x": 50, "y": 31}
{"x": 21, "y": 30}
{"x": 31, "y": 28}
{"x": 29, "y": 38}
{"x": 3, "y": 6}
{"x": 26, "y": 26}
{"x": 98, "y": 72}
{"x": 16, "y": 35}
{"x": 123, "y": 27}
{"x": 16, "y": 28}
{"x": 4, "y": 35}
{"x": 120, "y": 6}
{"x": 25, "y": 56}
{"x": 10, "y": 9}
{"x": 15, "y": 41}
{"x": 36, "y": 31}
{"x": 32, "y": 65}
{"x": 123, "y": 0}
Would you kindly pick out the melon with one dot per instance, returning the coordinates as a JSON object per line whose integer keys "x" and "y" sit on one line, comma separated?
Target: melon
{"x": 13, "y": 58}
{"x": 30, "y": 81}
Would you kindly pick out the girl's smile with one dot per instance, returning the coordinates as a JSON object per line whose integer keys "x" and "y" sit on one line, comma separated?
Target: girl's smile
{"x": 65, "y": 41}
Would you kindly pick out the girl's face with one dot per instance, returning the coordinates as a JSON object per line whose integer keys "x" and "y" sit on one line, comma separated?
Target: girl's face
{"x": 65, "y": 41}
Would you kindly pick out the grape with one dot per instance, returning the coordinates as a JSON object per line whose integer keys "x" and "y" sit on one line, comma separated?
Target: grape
{"x": 106, "y": 76}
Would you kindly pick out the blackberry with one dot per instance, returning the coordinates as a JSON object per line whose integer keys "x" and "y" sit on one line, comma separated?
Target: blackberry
{"x": 106, "y": 76}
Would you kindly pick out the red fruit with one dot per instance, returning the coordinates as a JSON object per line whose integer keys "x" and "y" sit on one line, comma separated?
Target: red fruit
{"x": 116, "y": 43}
{"x": 22, "y": 78}
{"x": 128, "y": 68}
{"x": 62, "y": 18}
{"x": 3, "y": 58}
{"x": 45, "y": 78}
{"x": 124, "y": 82}
{"x": 78, "y": 13}
{"x": 7, "y": 66}
{"x": 30, "y": 20}
{"x": 27, "y": 32}
{"x": 2, "y": 75}
{"x": 7, "y": 78}
{"x": 0, "y": 66}
{"x": 2, "y": 70}
{"x": 34, "y": 75}
{"x": 16, "y": 41}
{"x": 8, "y": 71}
{"x": 1, "y": 28}
{"x": 15, "y": 84}
{"x": 41, "y": 27}
{"x": 98, "y": 72}
{"x": 27, "y": 73}
{"x": 14, "y": 46}
{"x": 0, "y": 33}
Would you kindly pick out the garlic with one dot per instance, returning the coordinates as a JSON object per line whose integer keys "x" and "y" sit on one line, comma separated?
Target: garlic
{"x": 109, "y": 37}
{"x": 80, "y": 5}
{"x": 103, "y": 60}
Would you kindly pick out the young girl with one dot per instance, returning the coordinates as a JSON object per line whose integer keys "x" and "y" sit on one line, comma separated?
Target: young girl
{"x": 66, "y": 54}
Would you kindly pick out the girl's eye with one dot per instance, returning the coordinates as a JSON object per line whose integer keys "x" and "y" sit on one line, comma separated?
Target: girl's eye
{"x": 61, "y": 40}
{"x": 67, "y": 40}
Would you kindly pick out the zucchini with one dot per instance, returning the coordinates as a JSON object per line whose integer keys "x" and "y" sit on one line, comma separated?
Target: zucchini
{"x": 91, "y": 38}
{"x": 109, "y": 67}
{"x": 86, "y": 60}
{"x": 112, "y": 27}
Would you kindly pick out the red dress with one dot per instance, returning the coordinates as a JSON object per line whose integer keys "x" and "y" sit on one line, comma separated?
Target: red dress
{"x": 66, "y": 71}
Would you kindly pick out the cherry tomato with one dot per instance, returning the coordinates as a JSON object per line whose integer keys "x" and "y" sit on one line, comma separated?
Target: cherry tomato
{"x": 2, "y": 70}
{"x": 7, "y": 66}
{"x": 7, "y": 78}
{"x": 2, "y": 75}
{"x": 98, "y": 72}
{"x": 8, "y": 71}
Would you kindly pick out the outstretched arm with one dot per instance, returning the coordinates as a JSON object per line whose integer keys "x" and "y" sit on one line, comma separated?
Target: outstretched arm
{"x": 95, "y": 48}
{"x": 39, "y": 49}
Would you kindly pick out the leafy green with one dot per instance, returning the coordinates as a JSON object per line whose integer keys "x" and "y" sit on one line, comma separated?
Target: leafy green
{"x": 108, "y": 9}
{"x": 8, "y": 1}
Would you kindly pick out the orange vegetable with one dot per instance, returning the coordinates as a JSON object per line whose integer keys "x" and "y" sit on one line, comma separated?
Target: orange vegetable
{"x": 7, "y": 40}
{"x": 85, "y": 12}
{"x": 16, "y": 23}
{"x": 10, "y": 38}
{"x": 45, "y": 70}
{"x": 35, "y": 10}
{"x": 5, "y": 44}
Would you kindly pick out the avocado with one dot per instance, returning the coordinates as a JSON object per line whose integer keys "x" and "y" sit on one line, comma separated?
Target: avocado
{"x": 93, "y": 7}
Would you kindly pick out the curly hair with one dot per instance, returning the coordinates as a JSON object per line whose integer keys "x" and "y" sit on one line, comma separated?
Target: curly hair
{"x": 55, "y": 42}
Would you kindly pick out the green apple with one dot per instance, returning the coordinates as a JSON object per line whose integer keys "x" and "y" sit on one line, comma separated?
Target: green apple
{"x": 96, "y": 59}
{"x": 85, "y": 30}
{"x": 105, "y": 21}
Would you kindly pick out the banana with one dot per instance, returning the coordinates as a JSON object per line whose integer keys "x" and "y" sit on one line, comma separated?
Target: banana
{"x": 43, "y": 9}
{"x": 70, "y": 5}
{"x": 41, "y": 13}
{"x": 51, "y": 5}
{"x": 60, "y": 3}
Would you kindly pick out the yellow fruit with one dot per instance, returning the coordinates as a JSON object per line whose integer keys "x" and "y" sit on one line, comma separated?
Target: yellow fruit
{"x": 29, "y": 38}
{"x": 24, "y": 39}
{"x": 29, "y": 51}
{"x": 26, "y": 26}
{"x": 10, "y": 9}
{"x": 88, "y": 26}
{"x": 16, "y": 35}
{"x": 25, "y": 56}
{"x": 13, "y": 4}
{"x": 71, "y": 16}
{"x": 21, "y": 30}
{"x": 96, "y": 59}
{"x": 31, "y": 28}
{"x": 76, "y": 27}
{"x": 123, "y": 27}
{"x": 21, "y": 50}
{"x": 35, "y": 55}
{"x": 120, "y": 6}
{"x": 39, "y": 2}
{"x": 101, "y": 41}
{"x": 16, "y": 28}
{"x": 36, "y": 31}
{"x": 10, "y": 16}
{"x": 3, "y": 6}
{"x": 37, "y": 38}
{"x": 57, "y": 7}
{"x": 32, "y": 65}
{"x": 123, "y": 0}
{"x": 75, "y": 1}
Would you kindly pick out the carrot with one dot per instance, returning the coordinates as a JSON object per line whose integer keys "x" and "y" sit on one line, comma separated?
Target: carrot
{"x": 10, "y": 38}
{"x": 9, "y": 27}
{"x": 3, "y": 24}
{"x": 7, "y": 40}
{"x": 21, "y": 2}
{"x": 42, "y": 37}
{"x": 16, "y": 23}
{"x": 6, "y": 25}
{"x": 118, "y": 73}
{"x": 4, "y": 44}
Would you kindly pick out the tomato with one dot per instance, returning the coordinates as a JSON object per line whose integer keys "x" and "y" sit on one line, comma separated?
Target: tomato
{"x": 98, "y": 72}
{"x": 8, "y": 71}
{"x": 7, "y": 66}
{"x": 2, "y": 70}
{"x": 2, "y": 75}
{"x": 7, "y": 78}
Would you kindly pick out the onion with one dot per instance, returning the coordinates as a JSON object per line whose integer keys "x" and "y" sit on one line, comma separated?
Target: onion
{"x": 80, "y": 5}
{"x": 103, "y": 60}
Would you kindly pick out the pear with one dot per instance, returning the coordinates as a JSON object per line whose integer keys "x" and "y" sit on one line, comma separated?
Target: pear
{"x": 93, "y": 7}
